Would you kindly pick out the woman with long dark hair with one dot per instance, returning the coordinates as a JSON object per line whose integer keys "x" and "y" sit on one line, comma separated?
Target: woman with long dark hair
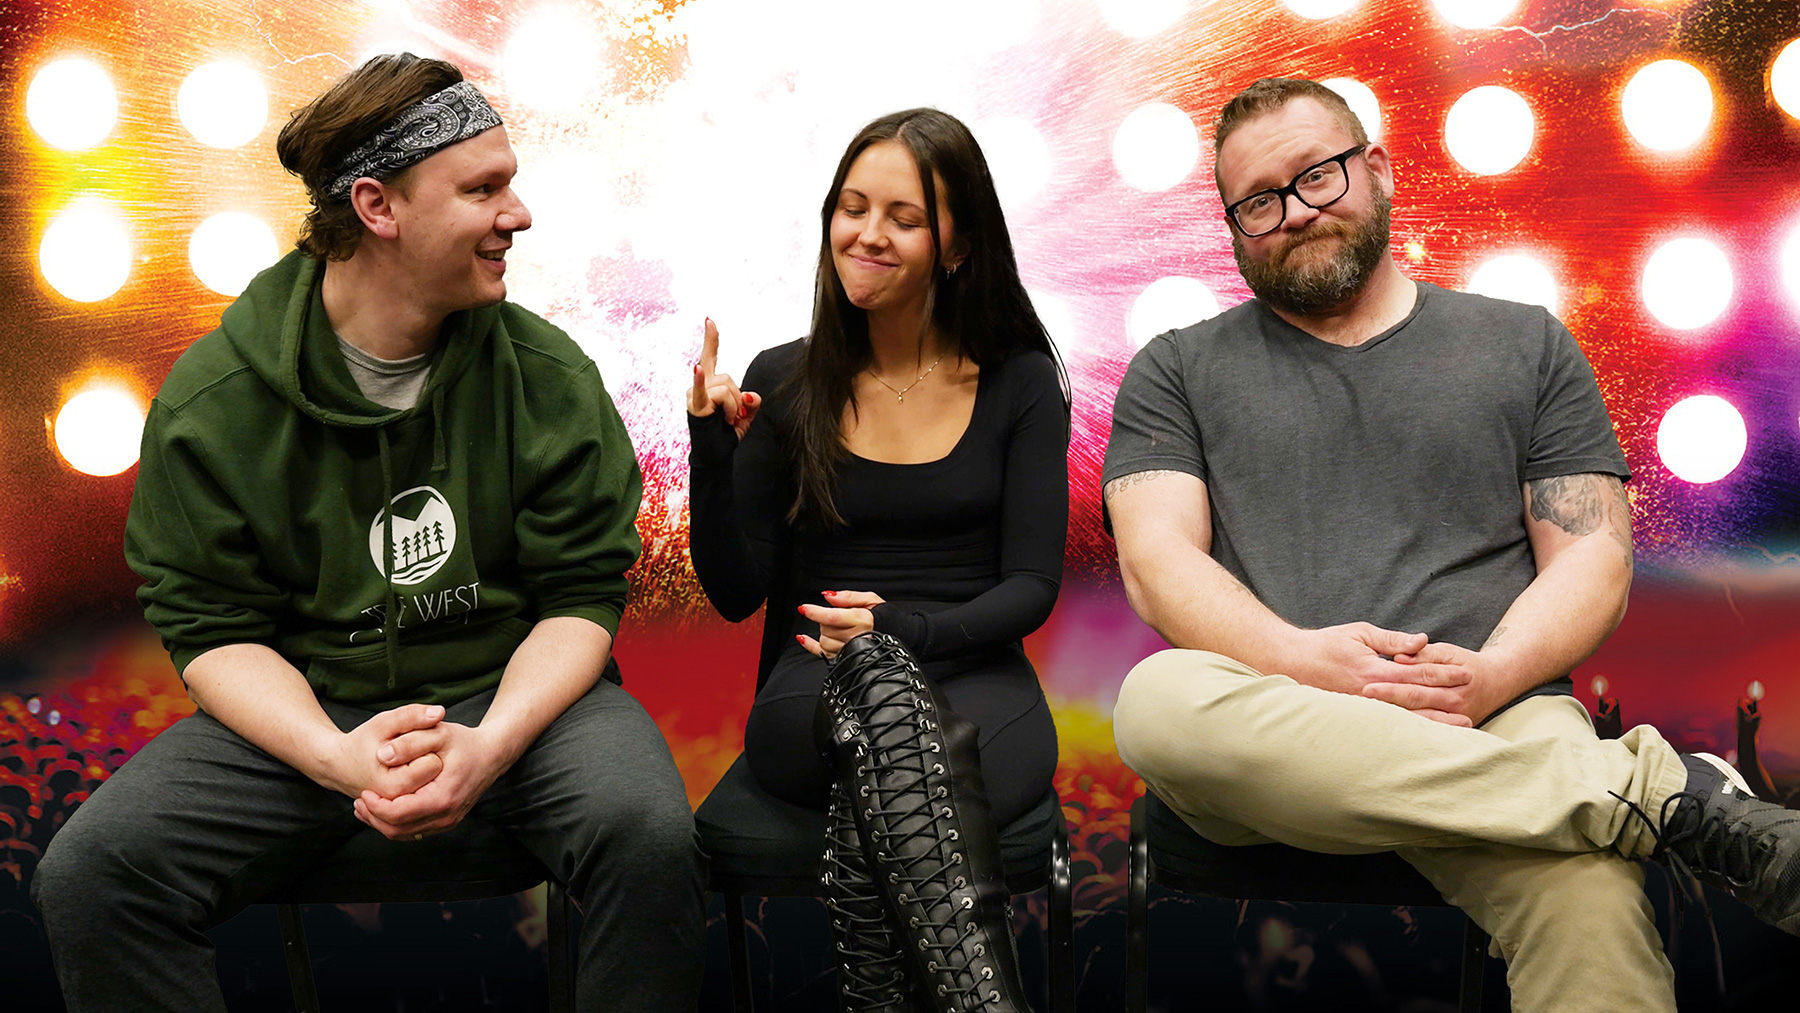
{"x": 895, "y": 487}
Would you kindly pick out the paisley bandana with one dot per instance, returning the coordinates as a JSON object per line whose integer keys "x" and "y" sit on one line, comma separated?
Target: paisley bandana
{"x": 455, "y": 114}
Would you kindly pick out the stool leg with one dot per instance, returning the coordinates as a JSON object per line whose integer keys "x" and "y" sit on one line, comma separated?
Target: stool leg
{"x": 738, "y": 942}
{"x": 557, "y": 943}
{"x": 1062, "y": 922}
{"x": 1137, "y": 916}
{"x": 1474, "y": 965}
{"x": 299, "y": 960}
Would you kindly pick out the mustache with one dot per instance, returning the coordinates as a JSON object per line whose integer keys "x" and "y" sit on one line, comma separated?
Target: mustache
{"x": 1317, "y": 230}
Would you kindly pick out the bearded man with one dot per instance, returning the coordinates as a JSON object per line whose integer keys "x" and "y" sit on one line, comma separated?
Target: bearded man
{"x": 1381, "y": 522}
{"x": 383, "y": 518}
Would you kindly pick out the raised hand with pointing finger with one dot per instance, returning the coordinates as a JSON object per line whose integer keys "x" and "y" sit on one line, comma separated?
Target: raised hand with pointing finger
{"x": 716, "y": 391}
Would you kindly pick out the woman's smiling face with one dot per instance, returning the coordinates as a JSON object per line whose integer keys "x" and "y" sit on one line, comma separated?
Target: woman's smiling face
{"x": 880, "y": 237}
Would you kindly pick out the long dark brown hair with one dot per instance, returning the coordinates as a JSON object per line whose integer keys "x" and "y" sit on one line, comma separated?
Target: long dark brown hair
{"x": 983, "y": 306}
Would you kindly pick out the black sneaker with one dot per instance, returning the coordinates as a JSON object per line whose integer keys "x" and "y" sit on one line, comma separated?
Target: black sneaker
{"x": 1718, "y": 830}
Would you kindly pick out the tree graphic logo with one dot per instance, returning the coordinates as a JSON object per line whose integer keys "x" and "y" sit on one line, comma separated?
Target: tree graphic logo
{"x": 424, "y": 534}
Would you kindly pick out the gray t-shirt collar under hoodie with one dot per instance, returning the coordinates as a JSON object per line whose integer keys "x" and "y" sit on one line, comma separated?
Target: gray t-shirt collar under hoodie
{"x": 391, "y": 383}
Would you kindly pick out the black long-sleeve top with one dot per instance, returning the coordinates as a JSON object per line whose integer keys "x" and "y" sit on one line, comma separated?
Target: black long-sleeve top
{"x": 966, "y": 550}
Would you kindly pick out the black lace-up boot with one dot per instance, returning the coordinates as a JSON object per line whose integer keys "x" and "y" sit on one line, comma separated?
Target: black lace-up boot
{"x": 1717, "y": 830}
{"x": 874, "y": 972}
{"x": 914, "y": 785}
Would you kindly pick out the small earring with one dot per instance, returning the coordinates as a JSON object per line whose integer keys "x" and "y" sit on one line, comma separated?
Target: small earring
{"x": 951, "y": 269}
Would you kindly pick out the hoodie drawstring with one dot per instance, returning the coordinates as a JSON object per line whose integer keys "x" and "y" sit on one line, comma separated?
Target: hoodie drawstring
{"x": 391, "y": 634}
{"x": 438, "y": 457}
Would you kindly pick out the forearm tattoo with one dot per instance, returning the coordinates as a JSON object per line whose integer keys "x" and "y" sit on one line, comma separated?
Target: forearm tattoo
{"x": 1579, "y": 504}
{"x": 1113, "y": 487}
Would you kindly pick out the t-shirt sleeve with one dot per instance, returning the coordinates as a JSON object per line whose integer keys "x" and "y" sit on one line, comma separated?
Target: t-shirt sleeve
{"x": 1153, "y": 426}
{"x": 1571, "y": 433}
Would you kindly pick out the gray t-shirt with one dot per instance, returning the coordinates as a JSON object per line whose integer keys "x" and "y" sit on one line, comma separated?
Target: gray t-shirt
{"x": 1380, "y": 483}
{"x": 390, "y": 383}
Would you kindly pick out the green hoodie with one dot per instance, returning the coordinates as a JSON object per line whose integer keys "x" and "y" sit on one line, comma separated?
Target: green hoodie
{"x": 260, "y": 509}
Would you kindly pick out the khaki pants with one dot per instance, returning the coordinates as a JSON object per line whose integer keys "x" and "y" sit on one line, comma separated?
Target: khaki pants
{"x": 1512, "y": 822}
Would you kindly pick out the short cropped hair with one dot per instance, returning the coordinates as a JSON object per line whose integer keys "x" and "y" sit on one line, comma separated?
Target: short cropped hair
{"x": 1271, "y": 94}
{"x": 321, "y": 134}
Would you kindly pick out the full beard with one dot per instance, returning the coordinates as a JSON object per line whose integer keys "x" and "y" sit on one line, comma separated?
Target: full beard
{"x": 1312, "y": 289}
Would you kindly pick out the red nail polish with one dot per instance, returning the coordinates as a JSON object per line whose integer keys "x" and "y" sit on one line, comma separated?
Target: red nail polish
{"x": 798, "y": 639}
{"x": 800, "y": 609}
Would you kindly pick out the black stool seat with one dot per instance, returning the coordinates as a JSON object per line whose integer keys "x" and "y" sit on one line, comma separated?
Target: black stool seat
{"x": 763, "y": 846}
{"x": 1186, "y": 861}
{"x": 474, "y": 861}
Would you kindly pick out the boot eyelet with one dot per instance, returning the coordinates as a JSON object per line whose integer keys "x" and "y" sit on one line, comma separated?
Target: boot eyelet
{"x": 968, "y": 903}
{"x": 953, "y": 835}
{"x": 980, "y": 950}
{"x": 963, "y": 884}
{"x": 937, "y": 768}
{"x": 987, "y": 974}
{"x": 934, "y": 748}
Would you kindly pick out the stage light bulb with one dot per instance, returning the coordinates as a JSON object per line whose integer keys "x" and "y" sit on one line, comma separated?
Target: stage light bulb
{"x": 71, "y": 104}
{"x": 1784, "y": 79}
{"x": 224, "y": 104}
{"x": 86, "y": 253}
{"x": 98, "y": 431}
{"x": 1058, "y": 319}
{"x": 228, "y": 250}
{"x": 1168, "y": 303}
{"x": 1599, "y": 685}
{"x": 550, "y": 61}
{"x": 1318, "y": 10}
{"x": 1516, "y": 277}
{"x": 1687, "y": 283}
{"x": 1702, "y": 439}
{"x": 1141, "y": 19}
{"x": 1667, "y": 105}
{"x": 1362, "y": 102}
{"x": 1790, "y": 263}
{"x": 1489, "y": 130}
{"x": 1475, "y": 13}
{"x": 1018, "y": 158}
{"x": 1756, "y": 689}
{"x": 1156, "y": 147}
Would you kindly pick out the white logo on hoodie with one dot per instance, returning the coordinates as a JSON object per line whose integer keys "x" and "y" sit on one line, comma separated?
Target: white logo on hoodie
{"x": 421, "y": 544}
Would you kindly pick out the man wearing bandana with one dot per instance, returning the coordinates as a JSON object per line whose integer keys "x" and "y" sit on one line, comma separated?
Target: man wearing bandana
{"x": 383, "y": 518}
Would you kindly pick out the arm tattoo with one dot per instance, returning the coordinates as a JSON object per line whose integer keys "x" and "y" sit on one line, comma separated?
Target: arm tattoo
{"x": 1579, "y": 504}
{"x": 1113, "y": 487}
{"x": 1494, "y": 637}
{"x": 1571, "y": 502}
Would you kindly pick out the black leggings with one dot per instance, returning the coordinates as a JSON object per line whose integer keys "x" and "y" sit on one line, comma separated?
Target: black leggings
{"x": 997, "y": 690}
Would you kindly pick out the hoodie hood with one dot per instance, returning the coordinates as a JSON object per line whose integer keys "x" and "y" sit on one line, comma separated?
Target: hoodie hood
{"x": 279, "y": 327}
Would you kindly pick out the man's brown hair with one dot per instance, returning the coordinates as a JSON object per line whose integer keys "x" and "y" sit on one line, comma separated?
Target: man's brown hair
{"x": 1272, "y": 93}
{"x": 321, "y": 134}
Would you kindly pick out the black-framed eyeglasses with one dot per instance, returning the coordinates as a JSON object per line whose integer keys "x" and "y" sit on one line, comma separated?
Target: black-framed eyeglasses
{"x": 1316, "y": 186}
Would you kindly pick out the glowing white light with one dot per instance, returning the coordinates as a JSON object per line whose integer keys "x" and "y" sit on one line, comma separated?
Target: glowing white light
{"x": 86, "y": 253}
{"x": 1362, "y": 102}
{"x": 1141, "y": 19}
{"x": 1517, "y": 277}
{"x": 1017, "y": 156}
{"x": 1687, "y": 283}
{"x": 1755, "y": 691}
{"x": 1168, "y": 303}
{"x": 71, "y": 104}
{"x": 1667, "y": 105}
{"x": 1784, "y": 79}
{"x": 1058, "y": 319}
{"x": 1790, "y": 263}
{"x": 228, "y": 249}
{"x": 1156, "y": 147}
{"x": 1599, "y": 685}
{"x": 1475, "y": 13}
{"x": 1701, "y": 439}
{"x": 550, "y": 61}
{"x": 1318, "y": 10}
{"x": 1489, "y": 130}
{"x": 224, "y": 105}
{"x": 98, "y": 430}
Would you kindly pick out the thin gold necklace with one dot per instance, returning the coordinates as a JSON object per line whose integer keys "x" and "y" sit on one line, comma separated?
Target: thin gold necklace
{"x": 900, "y": 392}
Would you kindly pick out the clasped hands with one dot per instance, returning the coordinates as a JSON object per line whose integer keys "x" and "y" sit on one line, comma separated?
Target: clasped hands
{"x": 412, "y": 773}
{"x": 1433, "y": 679}
{"x": 849, "y": 615}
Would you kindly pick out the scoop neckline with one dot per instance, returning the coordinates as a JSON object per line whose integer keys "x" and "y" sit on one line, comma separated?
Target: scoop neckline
{"x": 981, "y": 386}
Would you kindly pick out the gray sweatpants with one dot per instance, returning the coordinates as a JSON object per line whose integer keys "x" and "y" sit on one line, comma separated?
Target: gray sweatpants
{"x": 1512, "y": 822}
{"x": 200, "y": 823}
